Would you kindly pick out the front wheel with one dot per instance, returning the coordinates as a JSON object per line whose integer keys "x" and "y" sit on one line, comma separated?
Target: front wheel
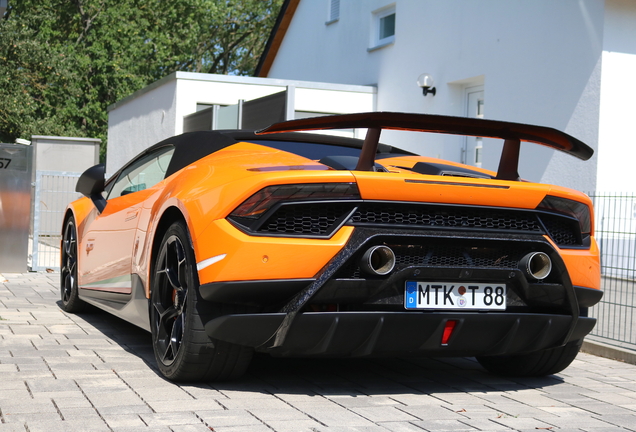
{"x": 68, "y": 269}
{"x": 541, "y": 363}
{"x": 183, "y": 350}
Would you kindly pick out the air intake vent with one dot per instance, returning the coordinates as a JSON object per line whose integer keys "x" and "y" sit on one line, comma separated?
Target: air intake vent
{"x": 564, "y": 231}
{"x": 445, "y": 217}
{"x": 315, "y": 219}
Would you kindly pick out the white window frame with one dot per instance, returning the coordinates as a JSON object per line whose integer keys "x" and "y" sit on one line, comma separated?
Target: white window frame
{"x": 473, "y": 155}
{"x": 333, "y": 5}
{"x": 377, "y": 15}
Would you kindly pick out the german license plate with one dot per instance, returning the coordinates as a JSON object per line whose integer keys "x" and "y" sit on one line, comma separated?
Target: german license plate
{"x": 451, "y": 295}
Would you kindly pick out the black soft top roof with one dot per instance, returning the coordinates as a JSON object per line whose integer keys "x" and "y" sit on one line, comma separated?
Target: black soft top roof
{"x": 188, "y": 148}
{"x": 192, "y": 146}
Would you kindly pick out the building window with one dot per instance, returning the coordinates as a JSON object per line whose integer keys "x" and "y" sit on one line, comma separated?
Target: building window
{"x": 334, "y": 11}
{"x": 387, "y": 26}
{"x": 383, "y": 27}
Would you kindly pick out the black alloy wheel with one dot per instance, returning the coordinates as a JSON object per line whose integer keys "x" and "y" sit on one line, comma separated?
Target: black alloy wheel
{"x": 68, "y": 269}
{"x": 170, "y": 301}
{"x": 183, "y": 350}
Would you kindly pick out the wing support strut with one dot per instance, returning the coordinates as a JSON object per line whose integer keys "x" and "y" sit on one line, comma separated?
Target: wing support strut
{"x": 509, "y": 162}
{"x": 366, "y": 161}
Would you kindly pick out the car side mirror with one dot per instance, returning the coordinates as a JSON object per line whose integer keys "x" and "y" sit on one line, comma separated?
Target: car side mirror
{"x": 91, "y": 185}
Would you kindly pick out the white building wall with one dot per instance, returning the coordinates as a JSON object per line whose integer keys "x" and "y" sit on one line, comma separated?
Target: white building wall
{"x": 69, "y": 154}
{"x": 539, "y": 62}
{"x": 194, "y": 88}
{"x": 140, "y": 120}
{"x": 331, "y": 101}
{"x": 156, "y": 112}
{"x": 617, "y": 140}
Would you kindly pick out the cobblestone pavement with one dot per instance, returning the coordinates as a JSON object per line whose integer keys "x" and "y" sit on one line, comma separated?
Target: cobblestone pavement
{"x": 94, "y": 372}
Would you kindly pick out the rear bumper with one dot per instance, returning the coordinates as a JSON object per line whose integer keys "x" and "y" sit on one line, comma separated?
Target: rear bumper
{"x": 360, "y": 334}
{"x": 371, "y": 320}
{"x": 270, "y": 292}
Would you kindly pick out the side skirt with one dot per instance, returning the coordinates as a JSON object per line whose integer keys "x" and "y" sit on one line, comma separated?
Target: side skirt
{"x": 129, "y": 307}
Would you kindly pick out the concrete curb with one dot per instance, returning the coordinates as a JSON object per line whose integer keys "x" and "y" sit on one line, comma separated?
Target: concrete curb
{"x": 602, "y": 349}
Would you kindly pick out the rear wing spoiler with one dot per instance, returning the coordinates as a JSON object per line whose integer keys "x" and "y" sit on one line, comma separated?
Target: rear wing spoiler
{"x": 511, "y": 133}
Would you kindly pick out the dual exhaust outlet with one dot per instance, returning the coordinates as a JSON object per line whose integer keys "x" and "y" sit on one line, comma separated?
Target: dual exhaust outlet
{"x": 536, "y": 265}
{"x": 380, "y": 261}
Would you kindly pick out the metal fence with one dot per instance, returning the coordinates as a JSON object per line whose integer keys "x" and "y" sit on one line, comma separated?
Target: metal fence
{"x": 53, "y": 191}
{"x": 615, "y": 232}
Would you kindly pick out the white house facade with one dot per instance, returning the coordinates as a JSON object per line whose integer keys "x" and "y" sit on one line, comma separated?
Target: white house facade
{"x": 566, "y": 64}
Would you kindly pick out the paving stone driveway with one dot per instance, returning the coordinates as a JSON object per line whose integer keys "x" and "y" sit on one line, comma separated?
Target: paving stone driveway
{"x": 94, "y": 372}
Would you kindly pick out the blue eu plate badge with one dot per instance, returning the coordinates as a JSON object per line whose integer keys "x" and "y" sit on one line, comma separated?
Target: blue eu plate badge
{"x": 410, "y": 300}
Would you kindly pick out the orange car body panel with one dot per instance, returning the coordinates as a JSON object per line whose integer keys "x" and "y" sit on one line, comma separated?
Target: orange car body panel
{"x": 264, "y": 257}
{"x": 207, "y": 191}
{"x": 584, "y": 266}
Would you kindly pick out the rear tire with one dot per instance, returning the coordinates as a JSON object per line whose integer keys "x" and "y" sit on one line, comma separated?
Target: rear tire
{"x": 183, "y": 350}
{"x": 541, "y": 363}
{"x": 68, "y": 269}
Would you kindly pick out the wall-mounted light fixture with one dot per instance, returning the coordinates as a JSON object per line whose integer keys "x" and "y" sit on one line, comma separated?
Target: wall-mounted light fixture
{"x": 426, "y": 82}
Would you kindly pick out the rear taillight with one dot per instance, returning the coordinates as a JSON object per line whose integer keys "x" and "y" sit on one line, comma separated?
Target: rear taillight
{"x": 263, "y": 200}
{"x": 570, "y": 208}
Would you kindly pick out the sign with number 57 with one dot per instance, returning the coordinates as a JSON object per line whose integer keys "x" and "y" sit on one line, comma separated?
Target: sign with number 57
{"x": 4, "y": 163}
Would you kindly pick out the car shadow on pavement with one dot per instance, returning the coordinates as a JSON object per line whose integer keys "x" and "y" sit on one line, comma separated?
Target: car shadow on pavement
{"x": 326, "y": 376}
{"x": 129, "y": 337}
{"x": 372, "y": 376}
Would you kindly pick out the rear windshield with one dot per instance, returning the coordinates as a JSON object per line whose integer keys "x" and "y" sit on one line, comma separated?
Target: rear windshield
{"x": 317, "y": 151}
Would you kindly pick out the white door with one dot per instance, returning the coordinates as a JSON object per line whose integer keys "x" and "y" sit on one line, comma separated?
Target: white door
{"x": 473, "y": 146}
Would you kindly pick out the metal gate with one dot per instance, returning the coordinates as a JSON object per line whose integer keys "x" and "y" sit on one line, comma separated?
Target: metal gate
{"x": 615, "y": 215}
{"x": 15, "y": 206}
{"x": 54, "y": 190}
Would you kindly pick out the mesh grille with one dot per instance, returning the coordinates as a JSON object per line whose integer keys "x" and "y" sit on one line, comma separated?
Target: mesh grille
{"x": 445, "y": 256}
{"x": 306, "y": 219}
{"x": 445, "y": 217}
{"x": 562, "y": 230}
{"x": 455, "y": 256}
{"x": 321, "y": 219}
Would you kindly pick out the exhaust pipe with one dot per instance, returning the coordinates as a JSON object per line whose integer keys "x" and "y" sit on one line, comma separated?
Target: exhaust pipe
{"x": 378, "y": 260}
{"x": 536, "y": 265}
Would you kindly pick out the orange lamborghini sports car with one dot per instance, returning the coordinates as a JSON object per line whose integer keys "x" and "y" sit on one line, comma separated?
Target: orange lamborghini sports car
{"x": 226, "y": 243}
